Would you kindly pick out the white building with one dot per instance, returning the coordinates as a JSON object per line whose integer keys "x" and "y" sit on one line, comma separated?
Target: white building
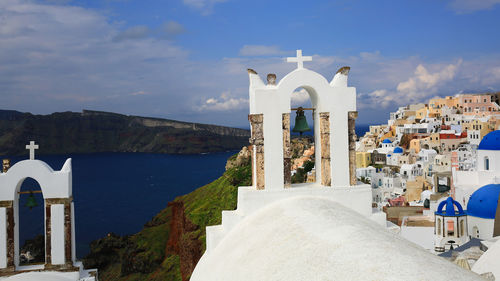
{"x": 487, "y": 169}
{"x": 450, "y": 226}
{"x": 426, "y": 155}
{"x": 466, "y": 157}
{"x": 367, "y": 172}
{"x": 410, "y": 171}
{"x": 60, "y": 244}
{"x": 481, "y": 211}
{"x": 442, "y": 163}
{"x": 392, "y": 157}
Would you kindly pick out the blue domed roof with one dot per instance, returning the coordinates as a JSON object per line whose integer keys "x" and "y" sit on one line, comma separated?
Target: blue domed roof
{"x": 491, "y": 141}
{"x": 387, "y": 141}
{"x": 484, "y": 201}
{"x": 450, "y": 209}
{"x": 398, "y": 150}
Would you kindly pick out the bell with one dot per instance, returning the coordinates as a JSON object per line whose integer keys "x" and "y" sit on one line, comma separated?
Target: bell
{"x": 300, "y": 122}
{"x": 31, "y": 201}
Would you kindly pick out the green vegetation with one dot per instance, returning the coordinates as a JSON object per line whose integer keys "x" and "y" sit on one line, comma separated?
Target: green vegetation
{"x": 301, "y": 175}
{"x": 169, "y": 245}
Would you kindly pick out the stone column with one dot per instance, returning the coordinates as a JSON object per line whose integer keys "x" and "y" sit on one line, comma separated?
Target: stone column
{"x": 68, "y": 247}
{"x": 326, "y": 172}
{"x": 351, "y": 120}
{"x": 48, "y": 231}
{"x": 257, "y": 141}
{"x": 287, "y": 154}
{"x": 9, "y": 235}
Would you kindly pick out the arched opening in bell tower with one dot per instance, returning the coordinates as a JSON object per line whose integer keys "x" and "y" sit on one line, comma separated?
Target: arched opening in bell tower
{"x": 302, "y": 137}
{"x": 31, "y": 223}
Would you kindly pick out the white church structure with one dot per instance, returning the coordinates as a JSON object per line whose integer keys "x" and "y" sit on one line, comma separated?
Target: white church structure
{"x": 60, "y": 252}
{"x": 326, "y": 230}
{"x": 488, "y": 169}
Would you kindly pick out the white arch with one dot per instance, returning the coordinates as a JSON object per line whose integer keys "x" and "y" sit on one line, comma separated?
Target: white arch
{"x": 54, "y": 184}
{"x": 272, "y": 101}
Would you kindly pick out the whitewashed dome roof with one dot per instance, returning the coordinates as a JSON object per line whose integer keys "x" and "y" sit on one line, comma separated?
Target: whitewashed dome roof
{"x": 311, "y": 238}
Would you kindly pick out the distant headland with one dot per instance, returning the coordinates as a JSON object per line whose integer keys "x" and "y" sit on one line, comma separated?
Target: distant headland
{"x": 96, "y": 131}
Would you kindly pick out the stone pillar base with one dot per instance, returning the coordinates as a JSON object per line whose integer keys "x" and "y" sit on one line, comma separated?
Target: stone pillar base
{"x": 326, "y": 169}
{"x": 67, "y": 267}
{"x": 351, "y": 117}
{"x": 7, "y": 271}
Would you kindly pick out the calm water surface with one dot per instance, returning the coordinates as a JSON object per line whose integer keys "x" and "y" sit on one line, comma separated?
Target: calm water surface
{"x": 120, "y": 192}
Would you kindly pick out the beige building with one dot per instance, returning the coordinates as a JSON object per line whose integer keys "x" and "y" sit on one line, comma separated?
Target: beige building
{"x": 431, "y": 142}
{"x": 449, "y": 101}
{"x": 415, "y": 188}
{"x": 451, "y": 141}
{"x": 363, "y": 159}
{"x": 422, "y": 113}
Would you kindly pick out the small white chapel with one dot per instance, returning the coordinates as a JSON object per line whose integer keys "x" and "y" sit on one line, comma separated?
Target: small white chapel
{"x": 325, "y": 230}
{"x": 60, "y": 252}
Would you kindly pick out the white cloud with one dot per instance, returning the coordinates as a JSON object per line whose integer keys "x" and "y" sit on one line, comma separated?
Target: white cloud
{"x": 223, "y": 103}
{"x": 421, "y": 86}
{"x": 261, "y": 50}
{"x": 204, "y": 6}
{"x": 135, "y": 32}
{"x": 300, "y": 97}
{"x": 423, "y": 81}
{"x": 468, "y": 6}
{"x": 172, "y": 28}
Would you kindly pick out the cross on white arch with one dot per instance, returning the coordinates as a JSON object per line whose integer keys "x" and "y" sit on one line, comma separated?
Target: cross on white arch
{"x": 299, "y": 59}
{"x": 31, "y": 147}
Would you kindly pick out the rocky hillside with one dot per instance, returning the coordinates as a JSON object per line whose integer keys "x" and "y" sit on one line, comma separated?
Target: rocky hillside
{"x": 95, "y": 131}
{"x": 171, "y": 244}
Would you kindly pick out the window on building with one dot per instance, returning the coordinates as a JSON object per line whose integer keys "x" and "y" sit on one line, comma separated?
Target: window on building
{"x": 475, "y": 232}
{"x": 450, "y": 228}
{"x": 486, "y": 163}
{"x": 438, "y": 226}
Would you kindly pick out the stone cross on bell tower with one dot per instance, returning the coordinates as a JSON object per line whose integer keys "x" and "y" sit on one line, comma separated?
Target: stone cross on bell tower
{"x": 31, "y": 147}
{"x": 299, "y": 59}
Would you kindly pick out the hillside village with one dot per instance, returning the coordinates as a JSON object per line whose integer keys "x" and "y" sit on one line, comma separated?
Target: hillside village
{"x": 427, "y": 153}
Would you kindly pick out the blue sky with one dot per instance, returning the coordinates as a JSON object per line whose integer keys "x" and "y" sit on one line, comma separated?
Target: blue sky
{"x": 187, "y": 59}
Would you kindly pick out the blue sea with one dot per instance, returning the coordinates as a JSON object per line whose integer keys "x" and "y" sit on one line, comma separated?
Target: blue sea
{"x": 120, "y": 192}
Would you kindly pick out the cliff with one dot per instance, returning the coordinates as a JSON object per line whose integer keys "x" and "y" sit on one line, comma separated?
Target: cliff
{"x": 170, "y": 245}
{"x": 96, "y": 131}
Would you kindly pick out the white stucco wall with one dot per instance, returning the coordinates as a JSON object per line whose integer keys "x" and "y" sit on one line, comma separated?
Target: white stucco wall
{"x": 73, "y": 237}
{"x": 3, "y": 238}
{"x": 494, "y": 159}
{"x": 274, "y": 100}
{"x": 54, "y": 184}
{"x": 307, "y": 238}
{"x": 422, "y": 236}
{"x": 57, "y": 235}
{"x": 485, "y": 227}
